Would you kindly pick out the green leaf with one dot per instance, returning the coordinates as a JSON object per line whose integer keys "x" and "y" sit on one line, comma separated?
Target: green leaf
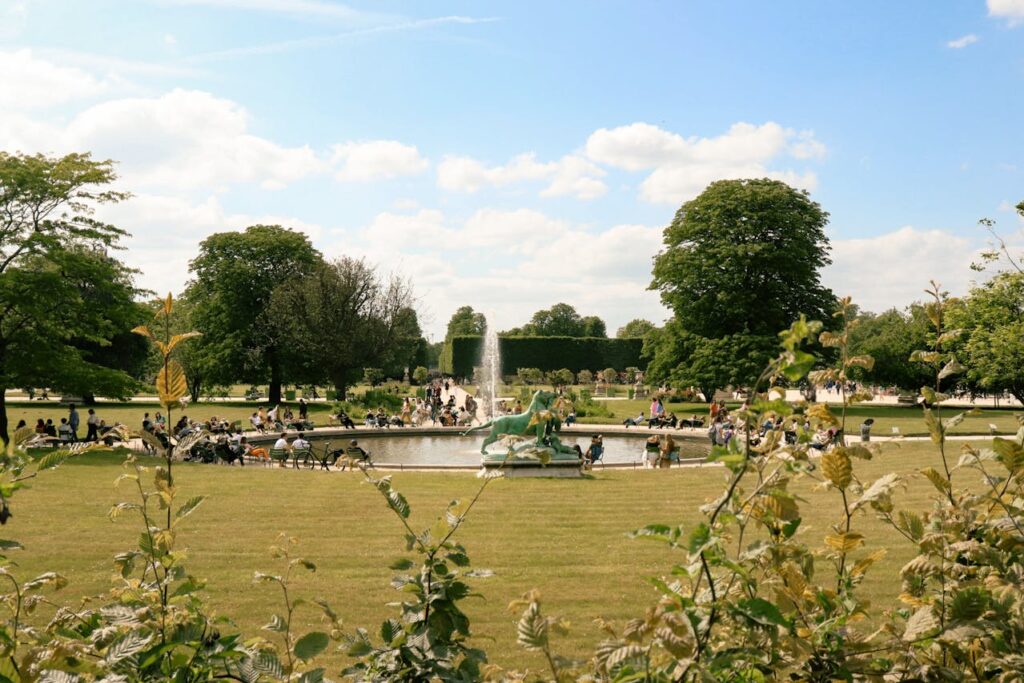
{"x": 1009, "y": 453}
{"x": 401, "y": 565}
{"x": 699, "y": 538}
{"x": 762, "y": 611}
{"x": 10, "y": 545}
{"x": 311, "y": 644}
{"x": 190, "y": 506}
{"x": 798, "y": 366}
{"x": 969, "y": 603}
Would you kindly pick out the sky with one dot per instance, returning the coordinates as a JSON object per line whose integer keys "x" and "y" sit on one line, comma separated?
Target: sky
{"x": 513, "y": 155}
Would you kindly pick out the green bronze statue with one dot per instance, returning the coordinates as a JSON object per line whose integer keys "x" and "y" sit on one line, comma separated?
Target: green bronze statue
{"x": 538, "y": 421}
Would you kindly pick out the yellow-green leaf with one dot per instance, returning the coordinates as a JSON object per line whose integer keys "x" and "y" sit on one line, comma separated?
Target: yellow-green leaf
{"x": 171, "y": 383}
{"x": 939, "y": 481}
{"x": 837, "y": 468}
{"x": 178, "y": 338}
{"x": 143, "y": 330}
{"x": 844, "y": 542}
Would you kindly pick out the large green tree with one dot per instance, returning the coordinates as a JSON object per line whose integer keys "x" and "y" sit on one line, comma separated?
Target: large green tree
{"x": 341, "y": 318}
{"x": 61, "y": 292}
{"x": 744, "y": 257}
{"x": 233, "y": 279}
{"x": 890, "y": 338}
{"x": 740, "y": 263}
{"x": 991, "y": 344}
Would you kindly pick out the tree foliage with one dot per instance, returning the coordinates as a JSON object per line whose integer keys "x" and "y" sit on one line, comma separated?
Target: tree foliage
{"x": 466, "y": 321}
{"x": 561, "y": 320}
{"x": 341, "y": 318}
{"x": 744, "y": 258}
{"x": 63, "y": 297}
{"x": 992, "y": 321}
{"x": 890, "y": 338}
{"x": 679, "y": 358}
{"x": 740, "y": 261}
{"x": 234, "y": 276}
{"x": 636, "y": 328}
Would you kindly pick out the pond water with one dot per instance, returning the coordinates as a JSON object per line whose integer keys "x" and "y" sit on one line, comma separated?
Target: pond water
{"x": 465, "y": 450}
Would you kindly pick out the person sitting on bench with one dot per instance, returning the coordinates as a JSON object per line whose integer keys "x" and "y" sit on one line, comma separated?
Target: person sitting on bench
{"x": 355, "y": 454}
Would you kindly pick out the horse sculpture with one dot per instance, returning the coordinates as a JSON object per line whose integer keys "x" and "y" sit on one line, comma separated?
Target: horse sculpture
{"x": 530, "y": 420}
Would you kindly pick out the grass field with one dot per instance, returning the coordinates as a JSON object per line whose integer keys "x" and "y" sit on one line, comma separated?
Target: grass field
{"x": 565, "y": 537}
{"x": 907, "y": 418}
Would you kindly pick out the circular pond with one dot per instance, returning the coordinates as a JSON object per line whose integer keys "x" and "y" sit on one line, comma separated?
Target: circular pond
{"x": 464, "y": 451}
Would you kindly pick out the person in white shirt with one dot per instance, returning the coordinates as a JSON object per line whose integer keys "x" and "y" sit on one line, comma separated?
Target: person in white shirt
{"x": 282, "y": 443}
{"x": 256, "y": 422}
{"x": 300, "y": 442}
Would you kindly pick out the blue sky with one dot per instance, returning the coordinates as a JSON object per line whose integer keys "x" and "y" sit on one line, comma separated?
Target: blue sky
{"x": 513, "y": 155}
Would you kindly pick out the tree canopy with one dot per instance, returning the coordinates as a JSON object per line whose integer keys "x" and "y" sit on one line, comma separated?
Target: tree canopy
{"x": 561, "y": 320}
{"x": 234, "y": 276}
{"x": 466, "y": 321}
{"x": 636, "y": 328}
{"x": 63, "y": 297}
{"x": 741, "y": 262}
{"x": 992, "y": 324}
{"x": 890, "y": 338}
{"x": 342, "y": 318}
{"x": 744, "y": 258}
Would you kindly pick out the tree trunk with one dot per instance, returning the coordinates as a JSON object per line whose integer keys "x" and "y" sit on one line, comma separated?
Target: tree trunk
{"x": 3, "y": 416}
{"x": 274, "y": 390}
{"x": 195, "y": 387}
{"x": 88, "y": 399}
{"x": 709, "y": 393}
{"x": 340, "y": 384}
{"x": 1017, "y": 393}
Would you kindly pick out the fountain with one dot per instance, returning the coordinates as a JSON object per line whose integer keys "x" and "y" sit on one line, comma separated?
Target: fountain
{"x": 490, "y": 370}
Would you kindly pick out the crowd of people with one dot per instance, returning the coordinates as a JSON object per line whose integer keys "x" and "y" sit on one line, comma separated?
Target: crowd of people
{"x": 67, "y": 431}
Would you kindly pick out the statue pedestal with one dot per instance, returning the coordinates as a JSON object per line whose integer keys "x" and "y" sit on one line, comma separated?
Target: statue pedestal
{"x": 533, "y": 464}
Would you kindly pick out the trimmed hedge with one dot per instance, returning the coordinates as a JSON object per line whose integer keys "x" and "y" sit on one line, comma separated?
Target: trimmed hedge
{"x": 462, "y": 354}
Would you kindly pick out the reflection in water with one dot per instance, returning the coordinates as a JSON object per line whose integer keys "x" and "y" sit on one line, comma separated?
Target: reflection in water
{"x": 392, "y": 447}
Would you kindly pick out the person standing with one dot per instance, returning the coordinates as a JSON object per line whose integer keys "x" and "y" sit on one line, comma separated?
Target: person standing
{"x": 303, "y": 409}
{"x": 92, "y": 424}
{"x": 73, "y": 421}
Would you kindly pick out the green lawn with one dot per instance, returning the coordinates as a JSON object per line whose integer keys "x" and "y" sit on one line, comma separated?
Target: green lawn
{"x": 565, "y": 537}
{"x": 907, "y": 418}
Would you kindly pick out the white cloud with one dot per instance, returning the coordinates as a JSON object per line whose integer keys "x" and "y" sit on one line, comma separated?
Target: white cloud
{"x": 31, "y": 83}
{"x": 170, "y": 39}
{"x": 1011, "y": 10}
{"x": 571, "y": 175}
{"x": 962, "y": 42}
{"x": 377, "y": 159}
{"x": 516, "y": 232}
{"x": 893, "y": 269}
{"x": 186, "y": 139}
{"x": 681, "y": 167}
{"x": 166, "y": 232}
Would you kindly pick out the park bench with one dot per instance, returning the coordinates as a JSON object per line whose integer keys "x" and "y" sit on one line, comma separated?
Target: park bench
{"x": 352, "y": 458}
{"x": 279, "y": 455}
{"x": 906, "y": 400}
